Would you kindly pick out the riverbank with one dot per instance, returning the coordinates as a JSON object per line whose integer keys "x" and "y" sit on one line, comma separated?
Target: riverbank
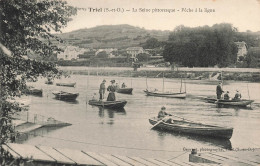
{"x": 236, "y": 74}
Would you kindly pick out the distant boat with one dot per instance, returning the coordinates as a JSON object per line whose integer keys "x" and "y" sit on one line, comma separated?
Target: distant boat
{"x": 49, "y": 82}
{"x": 66, "y": 84}
{"x": 124, "y": 90}
{"x": 108, "y": 104}
{"x": 241, "y": 102}
{"x": 193, "y": 128}
{"x": 169, "y": 94}
{"x": 61, "y": 95}
{"x": 33, "y": 91}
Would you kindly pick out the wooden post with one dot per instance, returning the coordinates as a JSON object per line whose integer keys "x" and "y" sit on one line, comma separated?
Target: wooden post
{"x": 163, "y": 81}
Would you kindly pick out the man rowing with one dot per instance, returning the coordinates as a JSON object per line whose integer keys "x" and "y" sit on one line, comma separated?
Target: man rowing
{"x": 162, "y": 115}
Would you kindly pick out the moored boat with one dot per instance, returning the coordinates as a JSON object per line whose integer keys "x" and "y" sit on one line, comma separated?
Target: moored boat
{"x": 61, "y": 95}
{"x": 124, "y": 90}
{"x": 66, "y": 84}
{"x": 49, "y": 82}
{"x": 188, "y": 127}
{"x": 241, "y": 102}
{"x": 181, "y": 95}
{"x": 108, "y": 104}
{"x": 33, "y": 91}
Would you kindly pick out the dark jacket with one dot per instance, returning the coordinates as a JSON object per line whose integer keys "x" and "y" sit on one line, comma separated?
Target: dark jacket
{"x": 219, "y": 90}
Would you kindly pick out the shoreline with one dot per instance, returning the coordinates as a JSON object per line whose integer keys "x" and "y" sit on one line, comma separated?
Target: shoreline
{"x": 235, "y": 74}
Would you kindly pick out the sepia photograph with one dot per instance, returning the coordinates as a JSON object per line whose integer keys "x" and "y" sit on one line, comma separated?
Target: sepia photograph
{"x": 129, "y": 82}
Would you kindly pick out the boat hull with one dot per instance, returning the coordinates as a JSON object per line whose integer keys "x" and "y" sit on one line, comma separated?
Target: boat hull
{"x": 194, "y": 129}
{"x": 66, "y": 84}
{"x": 65, "y": 96}
{"x": 125, "y": 90}
{"x": 181, "y": 95}
{"x": 241, "y": 103}
{"x": 108, "y": 104}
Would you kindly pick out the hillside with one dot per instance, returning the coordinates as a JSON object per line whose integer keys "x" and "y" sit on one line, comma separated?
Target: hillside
{"x": 112, "y": 36}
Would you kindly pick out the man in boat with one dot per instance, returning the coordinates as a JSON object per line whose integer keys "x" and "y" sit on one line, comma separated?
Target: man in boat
{"x": 117, "y": 86}
{"x": 237, "y": 95}
{"x": 102, "y": 90}
{"x": 111, "y": 88}
{"x": 226, "y": 96}
{"x": 123, "y": 85}
{"x": 219, "y": 90}
{"x": 162, "y": 116}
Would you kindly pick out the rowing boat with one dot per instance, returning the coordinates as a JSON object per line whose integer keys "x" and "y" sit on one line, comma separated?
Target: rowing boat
{"x": 124, "y": 90}
{"x": 108, "y": 104}
{"x": 33, "y": 91}
{"x": 241, "y": 102}
{"x": 181, "y": 95}
{"x": 61, "y": 95}
{"x": 66, "y": 84}
{"x": 188, "y": 127}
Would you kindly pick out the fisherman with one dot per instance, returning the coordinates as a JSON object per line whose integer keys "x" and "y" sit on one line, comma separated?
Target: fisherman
{"x": 123, "y": 85}
{"x": 219, "y": 90}
{"x": 102, "y": 90}
{"x": 226, "y": 96}
{"x": 237, "y": 95}
{"x": 111, "y": 88}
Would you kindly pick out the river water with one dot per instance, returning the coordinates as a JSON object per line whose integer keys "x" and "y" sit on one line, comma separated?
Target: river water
{"x": 127, "y": 131}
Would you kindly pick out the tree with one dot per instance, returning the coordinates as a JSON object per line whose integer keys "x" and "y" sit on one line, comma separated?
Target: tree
{"x": 26, "y": 27}
{"x": 151, "y": 43}
{"x": 142, "y": 57}
{"x": 202, "y": 46}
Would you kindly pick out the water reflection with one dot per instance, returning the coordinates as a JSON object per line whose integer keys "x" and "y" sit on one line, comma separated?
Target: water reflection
{"x": 222, "y": 143}
{"x": 111, "y": 113}
{"x": 68, "y": 101}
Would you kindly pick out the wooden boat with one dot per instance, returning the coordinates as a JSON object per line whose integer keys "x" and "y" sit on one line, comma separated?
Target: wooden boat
{"x": 124, "y": 90}
{"x": 49, "y": 82}
{"x": 33, "y": 91}
{"x": 66, "y": 84}
{"x": 241, "y": 102}
{"x": 65, "y": 95}
{"x": 188, "y": 127}
{"x": 181, "y": 95}
{"x": 108, "y": 104}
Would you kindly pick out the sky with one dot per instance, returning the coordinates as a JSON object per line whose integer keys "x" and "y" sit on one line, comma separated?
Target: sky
{"x": 242, "y": 14}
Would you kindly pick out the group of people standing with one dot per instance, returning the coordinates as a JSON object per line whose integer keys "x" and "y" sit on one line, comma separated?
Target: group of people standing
{"x": 220, "y": 91}
{"x": 111, "y": 89}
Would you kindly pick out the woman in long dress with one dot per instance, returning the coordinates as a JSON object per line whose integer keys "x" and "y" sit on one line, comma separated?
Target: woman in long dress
{"x": 111, "y": 88}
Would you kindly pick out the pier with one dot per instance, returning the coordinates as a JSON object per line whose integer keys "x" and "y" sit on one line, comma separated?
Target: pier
{"x": 43, "y": 155}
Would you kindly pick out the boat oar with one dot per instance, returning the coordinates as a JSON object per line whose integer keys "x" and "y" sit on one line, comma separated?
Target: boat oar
{"x": 158, "y": 122}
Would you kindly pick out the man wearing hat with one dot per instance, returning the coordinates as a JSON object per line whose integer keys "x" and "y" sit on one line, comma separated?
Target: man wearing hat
{"x": 111, "y": 88}
{"x": 226, "y": 96}
{"x": 102, "y": 90}
{"x": 219, "y": 90}
{"x": 237, "y": 95}
{"x": 162, "y": 113}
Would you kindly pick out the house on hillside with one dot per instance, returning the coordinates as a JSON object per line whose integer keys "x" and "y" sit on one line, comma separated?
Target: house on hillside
{"x": 133, "y": 51}
{"x": 242, "y": 49}
{"x": 70, "y": 52}
{"x": 109, "y": 51}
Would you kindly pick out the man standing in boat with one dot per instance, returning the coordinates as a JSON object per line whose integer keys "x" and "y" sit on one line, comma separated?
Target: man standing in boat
{"x": 111, "y": 88}
{"x": 219, "y": 90}
{"x": 102, "y": 90}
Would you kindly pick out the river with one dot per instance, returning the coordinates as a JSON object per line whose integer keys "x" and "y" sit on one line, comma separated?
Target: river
{"x": 127, "y": 131}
